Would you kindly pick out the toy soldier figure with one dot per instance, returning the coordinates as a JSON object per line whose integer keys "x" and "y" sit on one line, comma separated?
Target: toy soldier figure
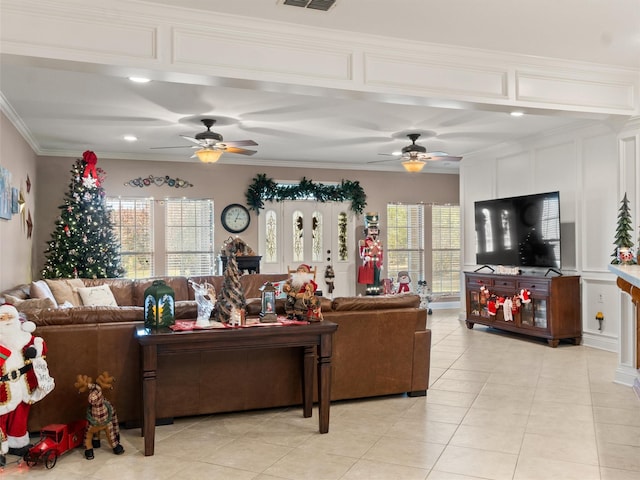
{"x": 371, "y": 254}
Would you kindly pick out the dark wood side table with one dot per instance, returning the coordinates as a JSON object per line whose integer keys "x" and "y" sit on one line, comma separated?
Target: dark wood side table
{"x": 316, "y": 337}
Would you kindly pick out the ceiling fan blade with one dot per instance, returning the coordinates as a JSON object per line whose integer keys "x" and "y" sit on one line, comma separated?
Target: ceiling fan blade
{"x": 240, "y": 143}
{"x": 181, "y": 146}
{"x": 390, "y": 154}
{"x": 380, "y": 161}
{"x": 191, "y": 139}
{"x": 242, "y": 151}
{"x": 437, "y": 154}
{"x": 446, "y": 158}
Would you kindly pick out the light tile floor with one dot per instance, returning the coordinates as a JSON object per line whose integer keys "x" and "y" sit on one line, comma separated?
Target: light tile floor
{"x": 499, "y": 407}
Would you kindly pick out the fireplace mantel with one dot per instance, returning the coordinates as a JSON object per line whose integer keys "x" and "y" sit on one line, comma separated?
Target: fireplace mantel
{"x": 628, "y": 281}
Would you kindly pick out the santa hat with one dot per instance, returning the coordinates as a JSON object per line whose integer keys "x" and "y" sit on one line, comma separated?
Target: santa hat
{"x": 303, "y": 267}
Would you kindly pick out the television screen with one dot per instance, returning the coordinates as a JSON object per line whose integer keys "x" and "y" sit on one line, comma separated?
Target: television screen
{"x": 519, "y": 231}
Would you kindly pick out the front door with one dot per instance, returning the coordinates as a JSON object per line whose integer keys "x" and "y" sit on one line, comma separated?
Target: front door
{"x": 313, "y": 233}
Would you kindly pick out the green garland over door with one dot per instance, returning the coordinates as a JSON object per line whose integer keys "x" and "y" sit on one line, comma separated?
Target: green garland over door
{"x": 266, "y": 189}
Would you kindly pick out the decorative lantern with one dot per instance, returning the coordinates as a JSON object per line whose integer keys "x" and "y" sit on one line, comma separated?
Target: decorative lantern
{"x": 159, "y": 305}
{"x": 268, "y": 312}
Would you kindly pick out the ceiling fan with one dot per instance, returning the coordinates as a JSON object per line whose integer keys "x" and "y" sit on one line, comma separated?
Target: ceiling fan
{"x": 211, "y": 145}
{"x": 415, "y": 156}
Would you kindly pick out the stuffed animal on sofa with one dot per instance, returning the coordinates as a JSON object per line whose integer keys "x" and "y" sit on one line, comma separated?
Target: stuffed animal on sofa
{"x": 24, "y": 379}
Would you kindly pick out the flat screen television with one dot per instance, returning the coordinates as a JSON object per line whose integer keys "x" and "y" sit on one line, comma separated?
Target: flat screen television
{"x": 521, "y": 231}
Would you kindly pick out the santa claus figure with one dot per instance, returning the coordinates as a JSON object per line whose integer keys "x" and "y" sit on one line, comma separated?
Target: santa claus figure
{"x": 22, "y": 360}
{"x": 300, "y": 289}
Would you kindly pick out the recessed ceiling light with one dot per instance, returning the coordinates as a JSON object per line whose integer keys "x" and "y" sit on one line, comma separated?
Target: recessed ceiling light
{"x": 140, "y": 79}
{"x": 130, "y": 138}
{"x": 517, "y": 114}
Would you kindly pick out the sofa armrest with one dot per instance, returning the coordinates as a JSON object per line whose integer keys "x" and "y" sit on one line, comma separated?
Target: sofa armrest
{"x": 421, "y": 363}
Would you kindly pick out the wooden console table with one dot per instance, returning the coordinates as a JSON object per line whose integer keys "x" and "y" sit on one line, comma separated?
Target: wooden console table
{"x": 317, "y": 336}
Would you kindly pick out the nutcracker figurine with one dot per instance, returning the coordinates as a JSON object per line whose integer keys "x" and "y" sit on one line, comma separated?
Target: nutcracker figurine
{"x": 371, "y": 253}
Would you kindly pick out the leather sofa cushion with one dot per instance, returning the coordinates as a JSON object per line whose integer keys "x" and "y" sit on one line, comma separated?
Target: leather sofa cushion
{"x": 376, "y": 303}
{"x": 89, "y": 315}
{"x": 251, "y": 284}
{"x": 179, "y": 286}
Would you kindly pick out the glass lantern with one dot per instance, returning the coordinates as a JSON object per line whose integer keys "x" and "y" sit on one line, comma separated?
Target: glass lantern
{"x": 159, "y": 305}
{"x": 268, "y": 310}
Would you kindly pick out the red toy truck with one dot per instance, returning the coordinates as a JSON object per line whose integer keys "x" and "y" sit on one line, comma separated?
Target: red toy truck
{"x": 56, "y": 439}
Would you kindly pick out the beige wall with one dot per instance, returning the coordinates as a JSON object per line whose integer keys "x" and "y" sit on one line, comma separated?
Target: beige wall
{"x": 15, "y": 247}
{"x": 226, "y": 183}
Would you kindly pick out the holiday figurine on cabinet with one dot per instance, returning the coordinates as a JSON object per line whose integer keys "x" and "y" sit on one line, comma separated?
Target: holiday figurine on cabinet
{"x": 205, "y": 294}
{"x": 329, "y": 277}
{"x": 24, "y": 379}
{"x": 301, "y": 302}
{"x": 424, "y": 292}
{"x": 404, "y": 282}
{"x": 371, "y": 253}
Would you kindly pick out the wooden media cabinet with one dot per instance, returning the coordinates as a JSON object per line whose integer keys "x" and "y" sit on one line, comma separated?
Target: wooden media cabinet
{"x": 554, "y": 310}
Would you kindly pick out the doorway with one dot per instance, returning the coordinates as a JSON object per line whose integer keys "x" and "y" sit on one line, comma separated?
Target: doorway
{"x": 314, "y": 233}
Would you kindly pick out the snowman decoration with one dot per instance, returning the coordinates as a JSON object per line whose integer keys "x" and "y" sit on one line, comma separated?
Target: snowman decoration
{"x": 24, "y": 380}
{"x": 424, "y": 292}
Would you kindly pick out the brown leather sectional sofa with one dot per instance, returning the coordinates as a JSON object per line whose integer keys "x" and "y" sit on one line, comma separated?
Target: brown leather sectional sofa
{"x": 381, "y": 347}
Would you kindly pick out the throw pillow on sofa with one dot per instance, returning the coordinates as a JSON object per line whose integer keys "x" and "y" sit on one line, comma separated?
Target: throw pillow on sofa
{"x": 29, "y": 303}
{"x": 66, "y": 290}
{"x": 40, "y": 289}
{"x": 100, "y": 295}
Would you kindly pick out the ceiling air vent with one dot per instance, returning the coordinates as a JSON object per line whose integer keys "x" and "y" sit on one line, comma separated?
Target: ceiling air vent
{"x": 323, "y": 5}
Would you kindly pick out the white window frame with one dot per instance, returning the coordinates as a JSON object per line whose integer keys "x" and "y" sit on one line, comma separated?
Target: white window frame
{"x": 115, "y": 205}
{"x": 445, "y": 250}
{"x": 157, "y": 223}
{"x": 397, "y": 251}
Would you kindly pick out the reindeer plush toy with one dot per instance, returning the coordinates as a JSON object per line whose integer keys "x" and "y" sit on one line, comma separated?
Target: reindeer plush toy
{"x": 100, "y": 414}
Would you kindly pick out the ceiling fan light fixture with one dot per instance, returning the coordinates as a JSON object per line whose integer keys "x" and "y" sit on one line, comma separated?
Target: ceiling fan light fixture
{"x": 413, "y": 165}
{"x": 208, "y": 155}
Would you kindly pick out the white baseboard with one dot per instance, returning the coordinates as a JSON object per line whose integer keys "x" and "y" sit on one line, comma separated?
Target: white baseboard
{"x": 627, "y": 376}
{"x": 602, "y": 342}
{"x": 444, "y": 305}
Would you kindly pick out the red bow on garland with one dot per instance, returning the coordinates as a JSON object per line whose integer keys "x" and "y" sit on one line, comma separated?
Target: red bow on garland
{"x": 90, "y": 168}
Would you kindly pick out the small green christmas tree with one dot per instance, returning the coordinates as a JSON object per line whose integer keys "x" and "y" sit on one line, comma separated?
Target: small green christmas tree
{"x": 83, "y": 243}
{"x": 623, "y": 236}
{"x": 231, "y": 294}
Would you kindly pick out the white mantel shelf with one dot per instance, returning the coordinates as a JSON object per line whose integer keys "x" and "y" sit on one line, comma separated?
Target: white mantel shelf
{"x": 630, "y": 273}
{"x": 627, "y": 372}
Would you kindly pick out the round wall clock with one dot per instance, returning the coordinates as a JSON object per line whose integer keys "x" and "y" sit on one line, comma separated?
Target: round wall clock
{"x": 235, "y": 218}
